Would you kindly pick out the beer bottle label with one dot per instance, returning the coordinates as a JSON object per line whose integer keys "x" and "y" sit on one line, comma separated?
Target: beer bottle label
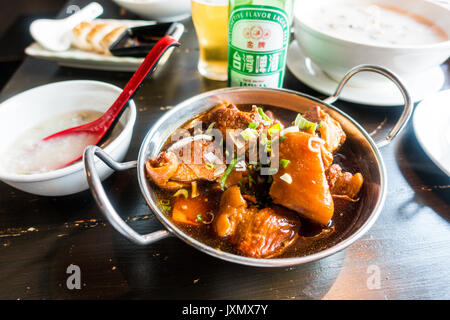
{"x": 257, "y": 46}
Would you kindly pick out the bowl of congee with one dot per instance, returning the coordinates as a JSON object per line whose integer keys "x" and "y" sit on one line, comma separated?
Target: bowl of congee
{"x": 31, "y": 164}
{"x": 408, "y": 37}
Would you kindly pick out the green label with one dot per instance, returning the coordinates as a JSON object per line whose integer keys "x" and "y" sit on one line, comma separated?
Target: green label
{"x": 257, "y": 46}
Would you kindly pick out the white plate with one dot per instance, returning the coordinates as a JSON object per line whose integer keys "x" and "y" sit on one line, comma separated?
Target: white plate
{"x": 90, "y": 60}
{"x": 384, "y": 95}
{"x": 431, "y": 123}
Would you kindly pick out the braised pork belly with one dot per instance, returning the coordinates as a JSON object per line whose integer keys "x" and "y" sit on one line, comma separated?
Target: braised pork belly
{"x": 238, "y": 198}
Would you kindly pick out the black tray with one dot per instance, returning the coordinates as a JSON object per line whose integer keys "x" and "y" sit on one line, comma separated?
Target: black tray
{"x": 138, "y": 41}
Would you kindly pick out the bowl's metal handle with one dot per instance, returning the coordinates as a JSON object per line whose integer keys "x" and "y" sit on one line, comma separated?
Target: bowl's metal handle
{"x": 103, "y": 201}
{"x": 408, "y": 104}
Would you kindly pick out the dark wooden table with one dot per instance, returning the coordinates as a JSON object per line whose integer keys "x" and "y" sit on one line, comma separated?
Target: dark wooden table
{"x": 41, "y": 236}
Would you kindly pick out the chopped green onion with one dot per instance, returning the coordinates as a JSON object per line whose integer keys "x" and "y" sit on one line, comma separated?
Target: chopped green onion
{"x": 182, "y": 192}
{"x": 276, "y": 128}
{"x": 284, "y": 163}
{"x": 199, "y": 217}
{"x": 272, "y": 171}
{"x": 209, "y": 166}
{"x": 164, "y": 202}
{"x": 304, "y": 124}
{"x": 263, "y": 115}
{"x": 268, "y": 146}
{"x": 282, "y": 138}
{"x": 210, "y": 127}
{"x": 253, "y": 125}
{"x": 265, "y": 142}
{"x": 227, "y": 173}
{"x": 249, "y": 134}
{"x": 167, "y": 208}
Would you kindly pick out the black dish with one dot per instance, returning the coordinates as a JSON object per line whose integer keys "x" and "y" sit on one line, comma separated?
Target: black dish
{"x": 138, "y": 41}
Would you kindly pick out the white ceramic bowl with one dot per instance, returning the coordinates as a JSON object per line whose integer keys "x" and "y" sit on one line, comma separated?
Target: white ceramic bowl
{"x": 336, "y": 56}
{"x": 159, "y": 10}
{"x": 29, "y": 108}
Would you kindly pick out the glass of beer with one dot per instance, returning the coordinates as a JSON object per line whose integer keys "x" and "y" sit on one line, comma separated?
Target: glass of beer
{"x": 211, "y": 25}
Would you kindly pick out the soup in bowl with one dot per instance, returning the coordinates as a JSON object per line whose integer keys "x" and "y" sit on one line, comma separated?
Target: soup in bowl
{"x": 406, "y": 36}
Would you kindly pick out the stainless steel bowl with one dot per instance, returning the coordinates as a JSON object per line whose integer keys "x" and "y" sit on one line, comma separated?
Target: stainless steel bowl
{"x": 366, "y": 153}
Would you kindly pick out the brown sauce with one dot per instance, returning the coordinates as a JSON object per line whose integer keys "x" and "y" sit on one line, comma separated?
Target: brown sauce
{"x": 313, "y": 237}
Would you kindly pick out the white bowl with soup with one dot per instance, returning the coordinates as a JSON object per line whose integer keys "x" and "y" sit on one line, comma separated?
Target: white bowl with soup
{"x": 406, "y": 36}
{"x": 33, "y": 166}
{"x": 159, "y": 10}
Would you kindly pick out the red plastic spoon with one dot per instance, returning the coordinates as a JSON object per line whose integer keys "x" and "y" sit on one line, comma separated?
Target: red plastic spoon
{"x": 98, "y": 128}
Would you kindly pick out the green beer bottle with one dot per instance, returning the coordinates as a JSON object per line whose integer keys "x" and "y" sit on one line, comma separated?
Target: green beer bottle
{"x": 258, "y": 39}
